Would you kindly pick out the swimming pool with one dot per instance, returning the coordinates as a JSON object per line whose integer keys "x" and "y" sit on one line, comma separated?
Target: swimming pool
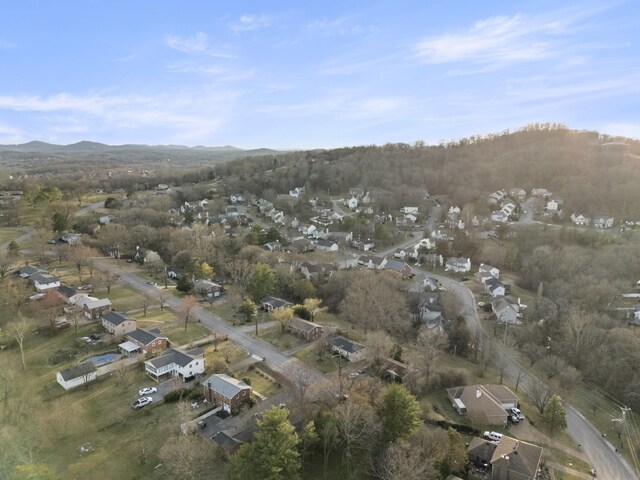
{"x": 104, "y": 359}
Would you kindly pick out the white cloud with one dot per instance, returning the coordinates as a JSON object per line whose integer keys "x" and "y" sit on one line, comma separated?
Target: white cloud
{"x": 336, "y": 26}
{"x": 496, "y": 40}
{"x": 250, "y": 22}
{"x": 197, "y": 44}
{"x": 182, "y": 116}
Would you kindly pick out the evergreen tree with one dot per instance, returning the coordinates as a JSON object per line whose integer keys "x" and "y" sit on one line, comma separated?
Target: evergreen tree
{"x": 184, "y": 284}
{"x": 399, "y": 411}
{"x": 554, "y": 414}
{"x": 263, "y": 282}
{"x": 273, "y": 454}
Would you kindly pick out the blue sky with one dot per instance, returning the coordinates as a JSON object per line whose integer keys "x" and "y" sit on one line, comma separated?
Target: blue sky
{"x": 309, "y": 74}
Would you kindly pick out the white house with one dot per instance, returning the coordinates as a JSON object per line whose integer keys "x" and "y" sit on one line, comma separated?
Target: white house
{"x": 493, "y": 271}
{"x": 236, "y": 198}
{"x": 406, "y": 210}
{"x": 518, "y": 193}
{"x": 352, "y": 203}
{"x": 77, "y": 375}
{"x": 603, "y": 221}
{"x": 494, "y": 287}
{"x": 580, "y": 220}
{"x": 508, "y": 208}
{"x": 540, "y": 192}
{"x": 296, "y": 192}
{"x": 44, "y": 281}
{"x": 552, "y": 206}
{"x": 173, "y": 363}
{"x": 506, "y": 311}
{"x": 499, "y": 216}
{"x": 372, "y": 262}
{"x": 496, "y": 197}
{"x": 454, "y": 211}
{"x": 425, "y": 243}
{"x": 458, "y": 264}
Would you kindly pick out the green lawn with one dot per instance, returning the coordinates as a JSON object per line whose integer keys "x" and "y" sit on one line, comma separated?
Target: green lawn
{"x": 280, "y": 340}
{"x": 58, "y": 422}
{"x": 319, "y": 359}
{"x": 8, "y": 234}
{"x": 123, "y": 298}
{"x": 177, "y": 335}
{"x": 264, "y": 386}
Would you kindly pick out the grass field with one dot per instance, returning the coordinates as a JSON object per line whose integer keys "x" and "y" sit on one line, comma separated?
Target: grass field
{"x": 319, "y": 359}
{"x": 280, "y": 340}
{"x": 8, "y": 234}
{"x": 56, "y": 423}
{"x": 123, "y": 298}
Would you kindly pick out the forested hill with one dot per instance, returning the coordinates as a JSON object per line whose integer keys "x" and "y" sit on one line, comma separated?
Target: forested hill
{"x": 592, "y": 173}
{"x": 129, "y": 154}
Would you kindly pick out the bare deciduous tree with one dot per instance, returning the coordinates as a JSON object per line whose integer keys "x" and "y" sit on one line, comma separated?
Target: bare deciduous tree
{"x": 163, "y": 298}
{"x": 241, "y": 271}
{"x": 539, "y": 394}
{"x": 109, "y": 279}
{"x": 186, "y": 309}
{"x": 18, "y": 330}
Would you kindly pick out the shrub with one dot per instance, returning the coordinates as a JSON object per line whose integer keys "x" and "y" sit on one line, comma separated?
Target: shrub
{"x": 247, "y": 380}
{"x": 195, "y": 394}
{"x": 176, "y": 395}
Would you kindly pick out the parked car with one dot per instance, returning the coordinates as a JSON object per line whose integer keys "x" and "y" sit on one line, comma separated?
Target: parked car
{"x": 494, "y": 436}
{"x": 141, "y": 402}
{"x": 147, "y": 391}
{"x": 151, "y": 282}
{"x": 516, "y": 412}
{"x": 353, "y": 375}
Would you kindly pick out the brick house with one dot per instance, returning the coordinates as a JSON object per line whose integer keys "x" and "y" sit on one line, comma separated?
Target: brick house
{"x": 304, "y": 329}
{"x": 150, "y": 342}
{"x": 226, "y": 391}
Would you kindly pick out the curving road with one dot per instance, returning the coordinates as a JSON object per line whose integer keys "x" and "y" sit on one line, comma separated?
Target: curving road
{"x": 598, "y": 449}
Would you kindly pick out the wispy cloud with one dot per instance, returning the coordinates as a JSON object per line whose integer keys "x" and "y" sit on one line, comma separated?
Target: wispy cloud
{"x": 497, "y": 41}
{"x": 182, "y": 116}
{"x": 336, "y": 26}
{"x": 623, "y": 129}
{"x": 197, "y": 44}
{"x": 250, "y": 22}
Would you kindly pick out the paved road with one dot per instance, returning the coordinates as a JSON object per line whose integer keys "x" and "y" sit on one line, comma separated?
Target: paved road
{"x": 253, "y": 346}
{"x": 599, "y": 451}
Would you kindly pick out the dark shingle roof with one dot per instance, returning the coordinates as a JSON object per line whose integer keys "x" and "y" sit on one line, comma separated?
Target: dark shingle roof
{"x": 302, "y": 324}
{"x": 116, "y": 318}
{"x": 345, "y": 344}
{"x": 275, "y": 302}
{"x": 143, "y": 336}
{"x": 171, "y": 356}
{"x": 77, "y": 371}
{"x": 44, "y": 278}
{"x": 66, "y": 292}
{"x": 225, "y": 385}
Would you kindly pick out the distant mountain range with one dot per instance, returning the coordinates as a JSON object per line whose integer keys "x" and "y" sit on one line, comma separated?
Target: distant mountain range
{"x": 95, "y": 150}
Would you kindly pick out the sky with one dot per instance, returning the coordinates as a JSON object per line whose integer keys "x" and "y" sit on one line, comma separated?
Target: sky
{"x": 313, "y": 74}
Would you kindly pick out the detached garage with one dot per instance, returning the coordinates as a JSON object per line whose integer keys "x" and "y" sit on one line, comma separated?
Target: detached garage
{"x": 75, "y": 376}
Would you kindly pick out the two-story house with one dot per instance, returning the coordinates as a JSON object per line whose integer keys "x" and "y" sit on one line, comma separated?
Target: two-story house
{"x": 174, "y": 363}
{"x": 226, "y": 391}
{"x": 150, "y": 342}
{"x": 118, "y": 323}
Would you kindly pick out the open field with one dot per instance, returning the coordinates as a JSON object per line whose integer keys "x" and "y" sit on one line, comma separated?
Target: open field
{"x": 8, "y": 234}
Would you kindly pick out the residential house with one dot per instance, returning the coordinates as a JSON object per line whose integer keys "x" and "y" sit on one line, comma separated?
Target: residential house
{"x": 27, "y": 271}
{"x": 118, "y": 323}
{"x": 635, "y": 318}
{"x": 410, "y": 218}
{"x": 429, "y": 283}
{"x": 226, "y": 391}
{"x": 44, "y": 281}
{"x": 351, "y": 203}
{"x": 175, "y": 272}
{"x": 603, "y": 221}
{"x": 403, "y": 268}
{"x": 432, "y": 260}
{"x": 507, "y": 459}
{"x": 497, "y": 197}
{"x": 71, "y": 238}
{"x": 344, "y": 262}
{"x": 356, "y": 192}
{"x": 105, "y": 219}
{"x": 296, "y": 192}
{"x": 310, "y": 331}
{"x": 315, "y": 270}
{"x": 540, "y": 193}
{"x": 274, "y": 246}
{"x": 506, "y": 312}
{"x": 236, "y": 198}
{"x": 207, "y": 288}
{"x": 409, "y": 210}
{"x": 144, "y": 256}
{"x": 508, "y": 208}
{"x": 346, "y": 348}
{"x": 424, "y": 244}
{"x": 403, "y": 253}
{"x": 150, "y": 342}
{"x": 518, "y": 193}
{"x": 341, "y": 238}
{"x": 365, "y": 246}
{"x": 395, "y": 370}
{"x": 66, "y": 292}
{"x": 301, "y": 245}
{"x": 458, "y": 264}
{"x": 77, "y": 375}
{"x": 580, "y": 219}
{"x": 493, "y": 271}
{"x": 499, "y": 216}
{"x": 264, "y": 205}
{"x": 326, "y": 245}
{"x": 174, "y": 363}
{"x": 270, "y": 303}
{"x": 553, "y": 206}
{"x": 494, "y": 287}
{"x": 483, "y": 404}
{"x": 93, "y": 307}
{"x": 372, "y": 262}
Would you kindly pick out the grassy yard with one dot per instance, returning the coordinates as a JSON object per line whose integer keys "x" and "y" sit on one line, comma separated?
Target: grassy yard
{"x": 265, "y": 386}
{"x": 282, "y": 341}
{"x": 58, "y": 422}
{"x": 319, "y": 359}
{"x": 8, "y": 234}
{"x": 227, "y": 352}
{"x": 123, "y": 298}
{"x": 177, "y": 335}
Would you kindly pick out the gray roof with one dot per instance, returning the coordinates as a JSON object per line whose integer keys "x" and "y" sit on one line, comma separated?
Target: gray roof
{"x": 44, "y": 278}
{"x": 169, "y": 357}
{"x": 275, "y": 302}
{"x": 302, "y": 324}
{"x": 29, "y": 270}
{"x": 116, "y": 318}
{"x": 225, "y": 385}
{"x": 77, "y": 371}
{"x": 143, "y": 336}
{"x": 396, "y": 265}
{"x": 345, "y": 344}
{"x": 66, "y": 291}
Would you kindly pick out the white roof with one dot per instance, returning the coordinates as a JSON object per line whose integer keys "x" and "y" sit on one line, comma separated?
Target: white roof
{"x": 129, "y": 346}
